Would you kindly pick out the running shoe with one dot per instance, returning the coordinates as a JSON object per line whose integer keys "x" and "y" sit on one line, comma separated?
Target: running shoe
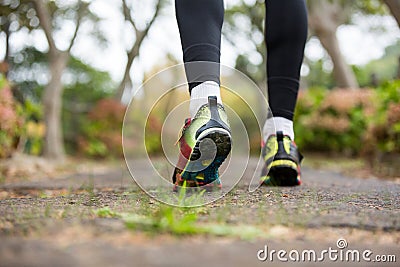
{"x": 204, "y": 144}
{"x": 282, "y": 159}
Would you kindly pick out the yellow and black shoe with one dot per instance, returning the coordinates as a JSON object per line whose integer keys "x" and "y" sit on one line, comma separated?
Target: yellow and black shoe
{"x": 282, "y": 161}
{"x": 204, "y": 144}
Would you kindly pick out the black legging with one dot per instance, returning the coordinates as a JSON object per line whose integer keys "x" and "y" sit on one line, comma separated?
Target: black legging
{"x": 200, "y": 23}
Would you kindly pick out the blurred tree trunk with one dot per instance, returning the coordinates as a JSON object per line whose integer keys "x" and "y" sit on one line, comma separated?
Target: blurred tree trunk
{"x": 134, "y": 51}
{"x": 324, "y": 19}
{"x": 52, "y": 104}
{"x": 7, "y": 54}
{"x": 394, "y": 6}
{"x": 344, "y": 75}
{"x": 52, "y": 95}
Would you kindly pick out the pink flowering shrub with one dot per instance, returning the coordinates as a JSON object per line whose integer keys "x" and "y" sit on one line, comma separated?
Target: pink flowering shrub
{"x": 333, "y": 121}
{"x": 11, "y": 120}
{"x": 362, "y": 121}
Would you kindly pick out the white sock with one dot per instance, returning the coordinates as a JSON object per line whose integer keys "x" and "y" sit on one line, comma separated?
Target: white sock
{"x": 278, "y": 124}
{"x": 200, "y": 93}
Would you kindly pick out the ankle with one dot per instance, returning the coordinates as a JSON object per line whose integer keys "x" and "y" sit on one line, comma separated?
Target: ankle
{"x": 276, "y": 124}
{"x": 199, "y": 96}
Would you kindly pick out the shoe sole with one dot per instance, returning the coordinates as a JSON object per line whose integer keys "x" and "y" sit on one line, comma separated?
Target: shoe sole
{"x": 204, "y": 154}
{"x": 211, "y": 187}
{"x": 282, "y": 173}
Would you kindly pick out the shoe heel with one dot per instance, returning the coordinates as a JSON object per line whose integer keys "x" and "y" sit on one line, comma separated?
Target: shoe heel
{"x": 212, "y": 147}
{"x": 215, "y": 123}
{"x": 284, "y": 169}
{"x": 284, "y": 175}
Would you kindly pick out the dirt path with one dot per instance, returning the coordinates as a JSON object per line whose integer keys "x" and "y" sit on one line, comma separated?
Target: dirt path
{"x": 106, "y": 220}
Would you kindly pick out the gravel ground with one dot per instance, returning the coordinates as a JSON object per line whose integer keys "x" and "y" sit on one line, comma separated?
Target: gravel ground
{"x": 56, "y": 222}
